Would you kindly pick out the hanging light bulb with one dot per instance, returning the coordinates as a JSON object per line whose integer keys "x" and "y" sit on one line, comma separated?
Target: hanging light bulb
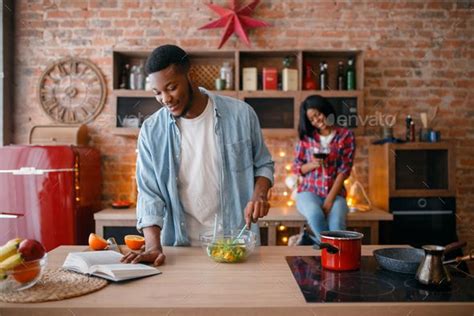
{"x": 282, "y": 153}
{"x": 285, "y": 193}
{"x": 288, "y": 167}
{"x": 290, "y": 203}
{"x": 281, "y": 227}
{"x": 284, "y": 239}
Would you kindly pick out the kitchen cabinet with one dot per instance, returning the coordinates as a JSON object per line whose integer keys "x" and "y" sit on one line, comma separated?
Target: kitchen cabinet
{"x": 192, "y": 283}
{"x": 278, "y": 110}
{"x": 119, "y": 222}
{"x": 416, "y": 183}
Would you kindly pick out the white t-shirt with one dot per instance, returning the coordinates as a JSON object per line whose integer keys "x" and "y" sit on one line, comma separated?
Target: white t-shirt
{"x": 198, "y": 179}
{"x": 326, "y": 140}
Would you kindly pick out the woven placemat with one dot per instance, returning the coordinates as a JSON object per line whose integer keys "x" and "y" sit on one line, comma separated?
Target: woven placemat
{"x": 56, "y": 284}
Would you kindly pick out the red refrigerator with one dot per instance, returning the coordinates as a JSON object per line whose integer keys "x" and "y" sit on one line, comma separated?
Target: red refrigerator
{"x": 49, "y": 193}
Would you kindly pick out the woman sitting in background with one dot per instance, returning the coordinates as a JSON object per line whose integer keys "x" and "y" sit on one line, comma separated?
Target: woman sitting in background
{"x": 321, "y": 194}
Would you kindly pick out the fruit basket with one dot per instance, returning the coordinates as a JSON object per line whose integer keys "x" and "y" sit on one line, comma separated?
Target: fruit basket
{"x": 22, "y": 262}
{"x": 23, "y": 276}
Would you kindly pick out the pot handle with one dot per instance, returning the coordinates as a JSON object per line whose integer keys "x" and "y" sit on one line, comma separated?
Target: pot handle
{"x": 453, "y": 246}
{"x": 329, "y": 248}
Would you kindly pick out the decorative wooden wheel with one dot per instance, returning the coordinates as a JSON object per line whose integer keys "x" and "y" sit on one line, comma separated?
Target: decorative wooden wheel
{"x": 72, "y": 91}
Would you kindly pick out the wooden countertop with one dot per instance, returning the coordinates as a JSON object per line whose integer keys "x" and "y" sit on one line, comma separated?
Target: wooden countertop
{"x": 191, "y": 283}
{"x": 275, "y": 214}
{"x": 291, "y": 214}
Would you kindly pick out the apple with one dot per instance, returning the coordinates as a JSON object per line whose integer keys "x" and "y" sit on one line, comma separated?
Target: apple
{"x": 31, "y": 249}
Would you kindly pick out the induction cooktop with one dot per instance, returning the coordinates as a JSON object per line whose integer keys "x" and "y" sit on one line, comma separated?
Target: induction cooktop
{"x": 372, "y": 284}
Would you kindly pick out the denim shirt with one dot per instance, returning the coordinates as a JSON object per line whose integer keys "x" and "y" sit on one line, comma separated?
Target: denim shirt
{"x": 242, "y": 151}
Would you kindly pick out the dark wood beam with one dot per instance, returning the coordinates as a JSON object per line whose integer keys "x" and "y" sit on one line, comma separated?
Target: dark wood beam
{"x": 6, "y": 72}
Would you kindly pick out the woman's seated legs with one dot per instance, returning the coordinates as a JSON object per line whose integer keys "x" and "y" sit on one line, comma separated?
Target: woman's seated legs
{"x": 337, "y": 216}
{"x": 309, "y": 205}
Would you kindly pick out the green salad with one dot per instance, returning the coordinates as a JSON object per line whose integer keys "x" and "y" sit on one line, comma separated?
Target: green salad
{"x": 227, "y": 250}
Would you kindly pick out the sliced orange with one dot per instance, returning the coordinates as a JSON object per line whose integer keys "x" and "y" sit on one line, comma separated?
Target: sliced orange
{"x": 134, "y": 242}
{"x": 26, "y": 271}
{"x": 96, "y": 242}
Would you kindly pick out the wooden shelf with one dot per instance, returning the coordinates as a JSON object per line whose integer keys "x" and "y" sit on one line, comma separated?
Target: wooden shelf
{"x": 279, "y": 132}
{"x": 333, "y": 93}
{"x": 227, "y": 93}
{"x": 251, "y": 94}
{"x": 133, "y": 93}
{"x": 126, "y": 131}
{"x": 150, "y": 94}
{"x": 268, "y": 94}
{"x": 252, "y": 58}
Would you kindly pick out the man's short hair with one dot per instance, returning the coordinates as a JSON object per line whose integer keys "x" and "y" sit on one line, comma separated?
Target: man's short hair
{"x": 166, "y": 55}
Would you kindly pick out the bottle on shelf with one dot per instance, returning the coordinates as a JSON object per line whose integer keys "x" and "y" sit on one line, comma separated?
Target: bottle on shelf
{"x": 148, "y": 83}
{"x": 340, "y": 76}
{"x": 408, "y": 122}
{"x": 140, "y": 77}
{"x": 227, "y": 75}
{"x": 132, "y": 78}
{"x": 412, "y": 131}
{"x": 350, "y": 75}
{"x": 323, "y": 76}
{"x": 309, "y": 83}
{"x": 124, "y": 77}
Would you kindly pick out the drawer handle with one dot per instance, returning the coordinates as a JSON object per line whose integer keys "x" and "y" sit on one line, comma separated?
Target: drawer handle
{"x": 10, "y": 215}
{"x": 433, "y": 212}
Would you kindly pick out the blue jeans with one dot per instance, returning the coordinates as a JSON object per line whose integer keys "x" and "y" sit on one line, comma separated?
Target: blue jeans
{"x": 310, "y": 206}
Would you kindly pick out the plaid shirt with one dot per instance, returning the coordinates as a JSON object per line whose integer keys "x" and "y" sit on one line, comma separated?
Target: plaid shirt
{"x": 340, "y": 160}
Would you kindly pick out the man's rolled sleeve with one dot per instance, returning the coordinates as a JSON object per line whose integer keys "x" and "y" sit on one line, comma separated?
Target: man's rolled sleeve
{"x": 150, "y": 205}
{"x": 262, "y": 160}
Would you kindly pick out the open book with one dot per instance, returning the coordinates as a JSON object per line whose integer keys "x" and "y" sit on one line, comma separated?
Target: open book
{"x": 106, "y": 264}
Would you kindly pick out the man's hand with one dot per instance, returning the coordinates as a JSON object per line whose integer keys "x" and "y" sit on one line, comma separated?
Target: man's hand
{"x": 153, "y": 251}
{"x": 155, "y": 256}
{"x": 327, "y": 205}
{"x": 255, "y": 210}
{"x": 258, "y": 206}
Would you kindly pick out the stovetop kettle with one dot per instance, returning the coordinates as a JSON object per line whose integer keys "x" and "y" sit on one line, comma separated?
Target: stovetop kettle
{"x": 431, "y": 270}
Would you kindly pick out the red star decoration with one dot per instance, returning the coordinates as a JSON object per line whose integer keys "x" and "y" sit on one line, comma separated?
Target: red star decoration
{"x": 235, "y": 20}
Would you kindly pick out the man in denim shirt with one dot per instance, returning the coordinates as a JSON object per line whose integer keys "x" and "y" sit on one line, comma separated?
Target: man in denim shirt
{"x": 201, "y": 160}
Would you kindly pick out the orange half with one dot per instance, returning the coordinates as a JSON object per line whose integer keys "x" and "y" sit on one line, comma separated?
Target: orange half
{"x": 26, "y": 271}
{"x": 96, "y": 242}
{"x": 134, "y": 242}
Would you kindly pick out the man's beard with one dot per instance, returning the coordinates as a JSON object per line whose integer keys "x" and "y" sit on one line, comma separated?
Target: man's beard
{"x": 187, "y": 107}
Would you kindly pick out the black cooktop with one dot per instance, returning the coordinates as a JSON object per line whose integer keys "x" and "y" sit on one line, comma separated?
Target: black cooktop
{"x": 372, "y": 284}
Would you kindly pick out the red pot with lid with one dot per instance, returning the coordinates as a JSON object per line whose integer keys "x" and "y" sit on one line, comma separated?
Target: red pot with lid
{"x": 341, "y": 250}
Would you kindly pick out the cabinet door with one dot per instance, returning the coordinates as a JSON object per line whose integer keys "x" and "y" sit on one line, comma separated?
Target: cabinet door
{"x": 273, "y": 113}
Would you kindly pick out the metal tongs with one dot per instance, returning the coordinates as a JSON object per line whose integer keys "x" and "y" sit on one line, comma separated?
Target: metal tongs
{"x": 467, "y": 257}
{"x": 112, "y": 245}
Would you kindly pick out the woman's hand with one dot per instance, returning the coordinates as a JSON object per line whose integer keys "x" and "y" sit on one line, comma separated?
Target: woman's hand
{"x": 317, "y": 163}
{"x": 311, "y": 166}
{"x": 327, "y": 205}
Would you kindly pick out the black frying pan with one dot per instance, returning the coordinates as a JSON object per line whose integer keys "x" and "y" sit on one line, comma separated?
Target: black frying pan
{"x": 406, "y": 260}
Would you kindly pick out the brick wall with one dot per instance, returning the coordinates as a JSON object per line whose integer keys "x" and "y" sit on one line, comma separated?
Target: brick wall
{"x": 418, "y": 55}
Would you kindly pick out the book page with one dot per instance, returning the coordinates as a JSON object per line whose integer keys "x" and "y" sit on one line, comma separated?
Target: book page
{"x": 106, "y": 264}
{"x": 82, "y": 261}
{"x": 123, "y": 271}
{"x": 98, "y": 257}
